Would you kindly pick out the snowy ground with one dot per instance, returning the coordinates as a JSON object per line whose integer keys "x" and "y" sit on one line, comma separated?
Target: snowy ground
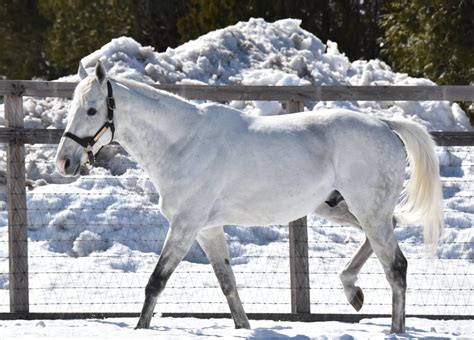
{"x": 94, "y": 240}
{"x": 190, "y": 328}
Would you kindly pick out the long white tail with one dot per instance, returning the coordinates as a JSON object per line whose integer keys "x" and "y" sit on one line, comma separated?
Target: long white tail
{"x": 422, "y": 199}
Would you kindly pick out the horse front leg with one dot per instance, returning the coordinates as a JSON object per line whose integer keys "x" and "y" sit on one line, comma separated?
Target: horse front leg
{"x": 177, "y": 244}
{"x": 213, "y": 242}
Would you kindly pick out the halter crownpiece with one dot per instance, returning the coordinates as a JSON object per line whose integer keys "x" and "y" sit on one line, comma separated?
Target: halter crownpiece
{"x": 105, "y": 132}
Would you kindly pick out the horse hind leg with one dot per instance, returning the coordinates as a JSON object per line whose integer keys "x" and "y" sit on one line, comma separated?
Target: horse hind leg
{"x": 376, "y": 221}
{"x": 383, "y": 242}
{"x": 349, "y": 274}
{"x": 213, "y": 242}
{"x": 335, "y": 209}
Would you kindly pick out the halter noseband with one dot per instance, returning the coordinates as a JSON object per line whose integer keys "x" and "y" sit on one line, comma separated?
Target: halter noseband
{"x": 89, "y": 142}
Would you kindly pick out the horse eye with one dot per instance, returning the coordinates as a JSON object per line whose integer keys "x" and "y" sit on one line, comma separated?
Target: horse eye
{"x": 91, "y": 111}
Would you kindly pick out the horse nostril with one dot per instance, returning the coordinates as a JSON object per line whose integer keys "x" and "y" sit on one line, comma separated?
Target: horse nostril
{"x": 67, "y": 163}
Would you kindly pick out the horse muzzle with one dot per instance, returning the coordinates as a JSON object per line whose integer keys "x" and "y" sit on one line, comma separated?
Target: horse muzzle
{"x": 68, "y": 167}
{"x": 69, "y": 158}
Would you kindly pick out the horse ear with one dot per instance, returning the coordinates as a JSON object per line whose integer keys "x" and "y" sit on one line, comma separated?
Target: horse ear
{"x": 100, "y": 72}
{"x": 81, "y": 72}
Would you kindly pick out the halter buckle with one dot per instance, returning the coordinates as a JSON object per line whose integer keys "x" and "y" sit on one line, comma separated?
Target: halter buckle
{"x": 90, "y": 157}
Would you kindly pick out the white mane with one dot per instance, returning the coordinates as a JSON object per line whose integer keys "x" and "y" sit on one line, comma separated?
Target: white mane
{"x": 90, "y": 84}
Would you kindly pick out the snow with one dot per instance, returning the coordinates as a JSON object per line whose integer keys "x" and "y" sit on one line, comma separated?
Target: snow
{"x": 191, "y": 328}
{"x": 279, "y": 53}
{"x": 94, "y": 240}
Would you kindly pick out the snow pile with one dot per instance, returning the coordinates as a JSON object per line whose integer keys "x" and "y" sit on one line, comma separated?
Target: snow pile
{"x": 113, "y": 208}
{"x": 280, "y": 53}
{"x": 257, "y": 53}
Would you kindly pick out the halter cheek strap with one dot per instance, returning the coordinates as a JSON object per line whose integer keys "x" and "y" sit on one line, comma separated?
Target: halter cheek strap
{"x": 106, "y": 130}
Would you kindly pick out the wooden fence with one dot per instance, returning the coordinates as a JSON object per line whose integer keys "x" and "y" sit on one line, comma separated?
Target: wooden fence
{"x": 292, "y": 97}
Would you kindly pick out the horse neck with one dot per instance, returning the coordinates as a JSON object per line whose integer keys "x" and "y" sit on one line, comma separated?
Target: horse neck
{"x": 148, "y": 127}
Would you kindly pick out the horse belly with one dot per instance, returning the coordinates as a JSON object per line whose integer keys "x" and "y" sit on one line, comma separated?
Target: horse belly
{"x": 272, "y": 200}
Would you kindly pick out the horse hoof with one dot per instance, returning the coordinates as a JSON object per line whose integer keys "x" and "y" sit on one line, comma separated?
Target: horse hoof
{"x": 397, "y": 330}
{"x": 142, "y": 324}
{"x": 138, "y": 326}
{"x": 244, "y": 325}
{"x": 357, "y": 299}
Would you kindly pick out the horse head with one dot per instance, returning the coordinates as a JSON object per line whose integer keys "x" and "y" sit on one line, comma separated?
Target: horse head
{"x": 90, "y": 122}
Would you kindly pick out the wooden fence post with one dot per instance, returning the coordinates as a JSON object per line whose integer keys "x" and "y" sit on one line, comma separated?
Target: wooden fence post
{"x": 299, "y": 262}
{"x": 17, "y": 214}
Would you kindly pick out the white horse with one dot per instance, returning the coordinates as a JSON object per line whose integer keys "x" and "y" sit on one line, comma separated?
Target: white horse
{"x": 213, "y": 165}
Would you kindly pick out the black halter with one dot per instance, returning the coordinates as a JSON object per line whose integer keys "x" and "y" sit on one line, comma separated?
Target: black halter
{"x": 88, "y": 142}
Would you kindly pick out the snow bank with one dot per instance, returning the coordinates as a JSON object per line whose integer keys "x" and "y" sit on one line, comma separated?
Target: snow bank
{"x": 256, "y": 53}
{"x": 279, "y": 53}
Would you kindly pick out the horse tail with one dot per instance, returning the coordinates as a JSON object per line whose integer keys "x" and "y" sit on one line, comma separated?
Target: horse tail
{"x": 422, "y": 199}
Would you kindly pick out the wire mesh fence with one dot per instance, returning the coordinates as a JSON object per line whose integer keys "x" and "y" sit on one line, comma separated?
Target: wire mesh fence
{"x": 94, "y": 240}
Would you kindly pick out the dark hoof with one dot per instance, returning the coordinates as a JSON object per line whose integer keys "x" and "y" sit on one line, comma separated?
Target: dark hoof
{"x": 358, "y": 299}
{"x": 142, "y": 324}
{"x": 245, "y": 325}
{"x": 397, "y": 330}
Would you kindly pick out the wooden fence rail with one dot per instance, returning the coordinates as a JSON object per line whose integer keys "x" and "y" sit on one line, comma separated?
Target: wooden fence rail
{"x": 293, "y": 97}
{"x": 53, "y": 136}
{"x": 278, "y": 93}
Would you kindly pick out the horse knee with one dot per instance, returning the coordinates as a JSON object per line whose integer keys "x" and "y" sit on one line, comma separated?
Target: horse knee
{"x": 155, "y": 286}
{"x": 227, "y": 289}
{"x": 226, "y": 283}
